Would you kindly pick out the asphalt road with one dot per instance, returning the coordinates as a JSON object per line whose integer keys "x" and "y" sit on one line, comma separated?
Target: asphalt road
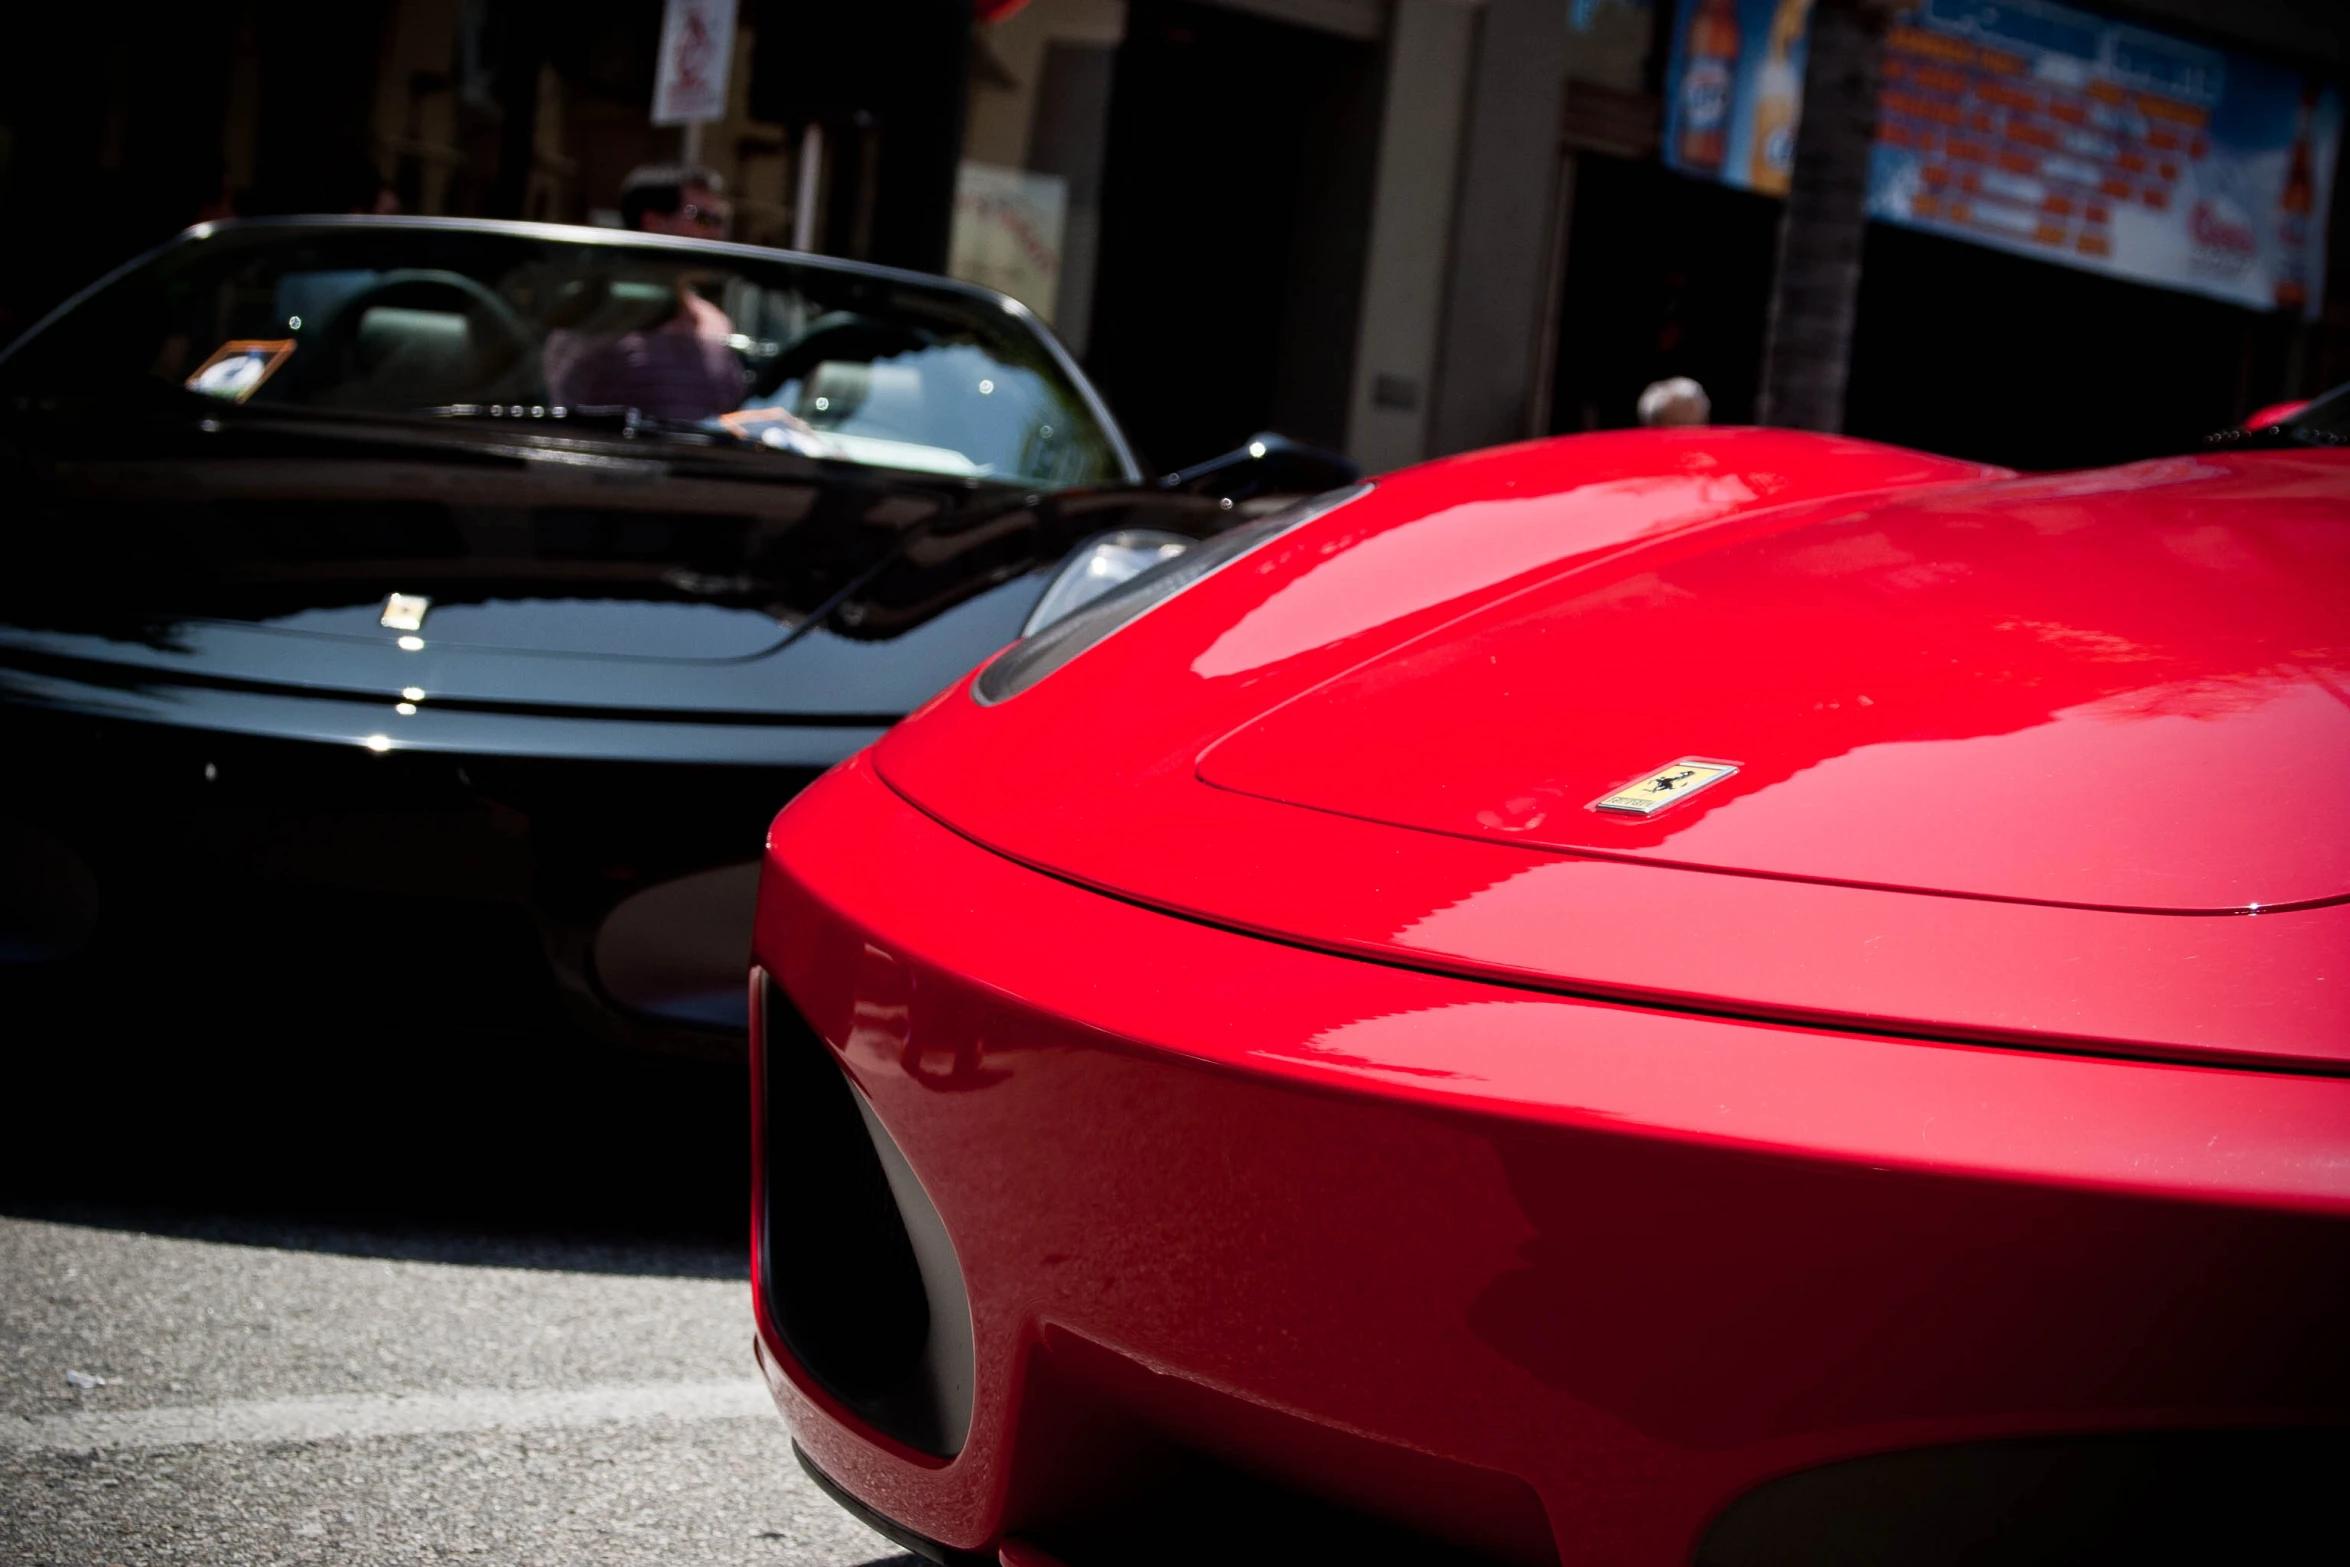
{"x": 346, "y": 1260}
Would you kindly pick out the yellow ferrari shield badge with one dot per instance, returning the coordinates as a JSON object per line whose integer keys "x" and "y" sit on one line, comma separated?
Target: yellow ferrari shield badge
{"x": 1667, "y": 785}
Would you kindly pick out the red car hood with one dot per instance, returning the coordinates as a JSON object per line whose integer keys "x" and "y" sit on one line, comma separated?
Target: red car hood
{"x": 2088, "y": 717}
{"x": 2122, "y": 692}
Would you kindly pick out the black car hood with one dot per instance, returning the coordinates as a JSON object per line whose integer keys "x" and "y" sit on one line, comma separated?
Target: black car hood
{"x": 562, "y": 573}
{"x": 307, "y": 536}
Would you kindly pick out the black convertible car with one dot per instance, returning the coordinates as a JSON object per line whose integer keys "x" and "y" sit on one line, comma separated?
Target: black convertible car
{"x": 442, "y": 565}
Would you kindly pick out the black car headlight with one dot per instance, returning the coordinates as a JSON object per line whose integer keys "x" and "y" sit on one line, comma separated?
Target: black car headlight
{"x": 1100, "y": 565}
{"x": 1032, "y": 658}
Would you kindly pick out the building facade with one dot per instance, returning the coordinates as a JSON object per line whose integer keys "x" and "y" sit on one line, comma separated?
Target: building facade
{"x": 1396, "y": 227}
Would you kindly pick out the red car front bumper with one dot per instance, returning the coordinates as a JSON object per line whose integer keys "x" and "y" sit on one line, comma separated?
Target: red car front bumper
{"x": 1543, "y": 1277}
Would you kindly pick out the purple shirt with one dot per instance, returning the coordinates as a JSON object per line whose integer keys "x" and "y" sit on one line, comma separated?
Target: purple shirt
{"x": 670, "y": 371}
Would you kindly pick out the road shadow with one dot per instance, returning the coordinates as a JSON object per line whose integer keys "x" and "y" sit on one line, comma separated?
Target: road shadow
{"x": 402, "y": 1084}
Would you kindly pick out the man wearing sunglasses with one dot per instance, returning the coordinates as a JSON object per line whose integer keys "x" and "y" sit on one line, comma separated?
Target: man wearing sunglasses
{"x": 680, "y": 367}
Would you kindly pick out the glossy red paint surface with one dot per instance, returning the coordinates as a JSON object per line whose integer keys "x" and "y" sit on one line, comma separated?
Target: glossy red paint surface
{"x": 1319, "y": 1215}
{"x": 2126, "y": 692}
{"x": 1547, "y": 1181}
{"x": 2148, "y": 706}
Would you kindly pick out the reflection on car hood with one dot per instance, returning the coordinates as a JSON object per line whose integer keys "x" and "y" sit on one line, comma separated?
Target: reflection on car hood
{"x": 510, "y": 553}
{"x": 2015, "y": 758}
{"x": 603, "y": 626}
{"x": 544, "y": 572}
{"x": 2120, "y": 692}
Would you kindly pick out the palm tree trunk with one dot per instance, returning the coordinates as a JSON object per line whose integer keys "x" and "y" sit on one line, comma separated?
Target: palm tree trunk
{"x": 1807, "y": 353}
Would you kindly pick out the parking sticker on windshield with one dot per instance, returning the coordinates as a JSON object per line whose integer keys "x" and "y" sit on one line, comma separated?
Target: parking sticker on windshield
{"x": 237, "y": 370}
{"x": 1667, "y": 785}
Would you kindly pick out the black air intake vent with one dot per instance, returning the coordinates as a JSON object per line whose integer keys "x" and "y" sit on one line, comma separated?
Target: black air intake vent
{"x": 859, "y": 1277}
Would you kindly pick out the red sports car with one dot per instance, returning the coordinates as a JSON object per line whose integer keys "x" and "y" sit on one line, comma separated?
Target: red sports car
{"x": 1719, "y": 996}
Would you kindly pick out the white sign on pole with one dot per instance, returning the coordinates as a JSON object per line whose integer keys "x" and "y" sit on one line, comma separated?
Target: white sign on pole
{"x": 697, "y": 57}
{"x": 1007, "y": 233}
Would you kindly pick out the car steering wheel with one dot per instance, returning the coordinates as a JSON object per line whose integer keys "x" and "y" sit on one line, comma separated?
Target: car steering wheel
{"x": 841, "y": 335}
{"x": 421, "y": 288}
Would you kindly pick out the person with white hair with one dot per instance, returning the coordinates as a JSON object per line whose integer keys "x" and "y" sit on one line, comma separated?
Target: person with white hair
{"x": 1674, "y": 400}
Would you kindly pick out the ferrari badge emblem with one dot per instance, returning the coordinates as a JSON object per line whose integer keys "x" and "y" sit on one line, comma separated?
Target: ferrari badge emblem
{"x": 1667, "y": 785}
{"x": 404, "y": 612}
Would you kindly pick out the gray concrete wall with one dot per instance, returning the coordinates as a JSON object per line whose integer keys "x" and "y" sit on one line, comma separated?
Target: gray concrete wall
{"x": 1495, "y": 305}
{"x": 1431, "y": 50}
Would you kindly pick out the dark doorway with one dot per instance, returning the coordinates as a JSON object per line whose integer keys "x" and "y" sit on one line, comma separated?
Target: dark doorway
{"x": 1970, "y": 351}
{"x": 110, "y": 132}
{"x": 1665, "y": 276}
{"x": 314, "y": 145}
{"x": 1237, "y": 198}
{"x": 886, "y": 79}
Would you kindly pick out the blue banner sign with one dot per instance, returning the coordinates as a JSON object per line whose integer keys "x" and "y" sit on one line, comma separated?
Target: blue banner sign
{"x": 2046, "y": 131}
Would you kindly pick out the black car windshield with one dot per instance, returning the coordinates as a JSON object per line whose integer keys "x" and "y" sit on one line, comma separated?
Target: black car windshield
{"x": 834, "y": 362}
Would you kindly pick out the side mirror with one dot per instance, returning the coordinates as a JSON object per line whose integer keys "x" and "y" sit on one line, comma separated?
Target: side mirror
{"x": 2274, "y": 413}
{"x": 1268, "y": 464}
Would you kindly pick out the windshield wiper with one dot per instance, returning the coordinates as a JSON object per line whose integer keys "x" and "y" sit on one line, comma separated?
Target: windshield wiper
{"x": 624, "y": 420}
{"x": 614, "y": 416}
{"x": 2287, "y": 436}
